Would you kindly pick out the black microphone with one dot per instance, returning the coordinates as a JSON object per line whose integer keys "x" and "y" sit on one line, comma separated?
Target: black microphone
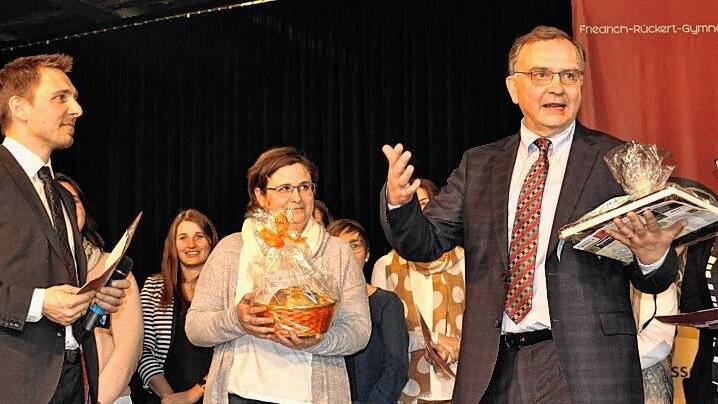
{"x": 96, "y": 312}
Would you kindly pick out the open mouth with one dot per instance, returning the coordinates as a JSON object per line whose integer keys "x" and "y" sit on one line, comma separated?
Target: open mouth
{"x": 556, "y": 106}
{"x": 192, "y": 254}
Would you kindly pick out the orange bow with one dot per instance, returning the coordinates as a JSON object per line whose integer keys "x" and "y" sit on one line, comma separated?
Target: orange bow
{"x": 277, "y": 238}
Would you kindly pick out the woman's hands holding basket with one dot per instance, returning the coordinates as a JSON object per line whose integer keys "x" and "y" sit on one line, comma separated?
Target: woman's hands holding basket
{"x": 252, "y": 324}
{"x": 295, "y": 342}
{"x": 264, "y": 327}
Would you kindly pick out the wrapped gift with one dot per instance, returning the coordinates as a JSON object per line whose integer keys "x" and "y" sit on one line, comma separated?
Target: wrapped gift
{"x": 644, "y": 178}
{"x": 298, "y": 295}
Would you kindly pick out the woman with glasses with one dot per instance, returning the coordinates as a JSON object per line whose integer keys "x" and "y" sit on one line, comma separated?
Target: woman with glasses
{"x": 118, "y": 345}
{"x": 432, "y": 291}
{"x": 172, "y": 367}
{"x": 252, "y": 363}
{"x": 377, "y": 373}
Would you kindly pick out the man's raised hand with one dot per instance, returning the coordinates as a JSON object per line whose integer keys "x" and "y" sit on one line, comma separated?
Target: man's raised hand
{"x": 399, "y": 188}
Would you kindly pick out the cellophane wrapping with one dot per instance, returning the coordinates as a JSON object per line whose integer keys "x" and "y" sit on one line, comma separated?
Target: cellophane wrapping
{"x": 298, "y": 295}
{"x": 638, "y": 168}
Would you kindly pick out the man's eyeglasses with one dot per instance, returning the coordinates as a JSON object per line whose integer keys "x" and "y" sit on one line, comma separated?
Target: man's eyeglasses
{"x": 567, "y": 77}
{"x": 287, "y": 189}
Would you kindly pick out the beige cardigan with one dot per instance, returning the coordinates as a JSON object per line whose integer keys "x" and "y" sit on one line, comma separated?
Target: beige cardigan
{"x": 212, "y": 320}
{"x": 119, "y": 348}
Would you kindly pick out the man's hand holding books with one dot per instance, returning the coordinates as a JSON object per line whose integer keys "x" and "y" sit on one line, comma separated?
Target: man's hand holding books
{"x": 645, "y": 238}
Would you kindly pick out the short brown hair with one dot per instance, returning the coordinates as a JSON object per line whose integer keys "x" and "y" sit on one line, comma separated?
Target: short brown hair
{"x": 340, "y": 226}
{"x": 428, "y": 185}
{"x": 543, "y": 33}
{"x": 21, "y": 76}
{"x": 324, "y": 210}
{"x": 269, "y": 162}
{"x": 170, "y": 267}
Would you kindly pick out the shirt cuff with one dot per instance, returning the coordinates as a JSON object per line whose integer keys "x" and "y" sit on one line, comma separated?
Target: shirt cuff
{"x": 435, "y": 337}
{"x": 35, "y": 313}
{"x": 647, "y": 269}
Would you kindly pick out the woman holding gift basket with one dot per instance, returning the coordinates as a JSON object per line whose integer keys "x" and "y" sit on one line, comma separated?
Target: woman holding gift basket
{"x": 281, "y": 301}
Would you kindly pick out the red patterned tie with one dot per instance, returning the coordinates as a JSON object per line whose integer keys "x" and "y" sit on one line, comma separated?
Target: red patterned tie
{"x": 524, "y": 237}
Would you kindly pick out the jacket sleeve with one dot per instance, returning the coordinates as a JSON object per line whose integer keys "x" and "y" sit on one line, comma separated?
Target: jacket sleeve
{"x": 425, "y": 236}
{"x": 396, "y": 358}
{"x": 656, "y": 281}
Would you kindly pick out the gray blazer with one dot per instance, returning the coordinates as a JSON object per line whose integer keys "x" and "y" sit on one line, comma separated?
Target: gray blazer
{"x": 212, "y": 319}
{"x": 588, "y": 297}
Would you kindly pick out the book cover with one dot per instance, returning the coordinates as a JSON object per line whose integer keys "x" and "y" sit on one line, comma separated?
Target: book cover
{"x": 100, "y": 278}
{"x": 670, "y": 205}
{"x": 707, "y": 318}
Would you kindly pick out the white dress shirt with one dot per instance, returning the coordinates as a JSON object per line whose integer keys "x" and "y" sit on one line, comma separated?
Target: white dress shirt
{"x": 558, "y": 152}
{"x": 31, "y": 164}
{"x": 655, "y": 341}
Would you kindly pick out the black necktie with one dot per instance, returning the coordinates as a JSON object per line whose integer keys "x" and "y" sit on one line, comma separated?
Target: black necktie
{"x": 52, "y": 193}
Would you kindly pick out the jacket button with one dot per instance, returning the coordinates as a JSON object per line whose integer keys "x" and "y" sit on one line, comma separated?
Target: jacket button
{"x": 497, "y": 323}
{"x": 59, "y": 334}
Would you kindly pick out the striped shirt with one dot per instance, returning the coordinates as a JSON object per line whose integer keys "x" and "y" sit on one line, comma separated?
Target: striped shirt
{"x": 158, "y": 329}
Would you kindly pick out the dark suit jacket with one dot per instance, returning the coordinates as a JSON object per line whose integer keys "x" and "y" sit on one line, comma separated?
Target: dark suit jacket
{"x": 695, "y": 296}
{"x": 32, "y": 353}
{"x": 593, "y": 327}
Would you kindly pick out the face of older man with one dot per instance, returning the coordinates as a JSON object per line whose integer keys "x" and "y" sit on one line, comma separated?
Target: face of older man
{"x": 547, "y": 108}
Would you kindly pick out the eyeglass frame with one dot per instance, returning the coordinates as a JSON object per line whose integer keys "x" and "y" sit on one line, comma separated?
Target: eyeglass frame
{"x": 553, "y": 73}
{"x": 291, "y": 188}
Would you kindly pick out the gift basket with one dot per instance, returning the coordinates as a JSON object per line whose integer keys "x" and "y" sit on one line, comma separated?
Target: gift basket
{"x": 298, "y": 295}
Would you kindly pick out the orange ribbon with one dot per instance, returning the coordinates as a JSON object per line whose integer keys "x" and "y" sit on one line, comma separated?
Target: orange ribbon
{"x": 277, "y": 238}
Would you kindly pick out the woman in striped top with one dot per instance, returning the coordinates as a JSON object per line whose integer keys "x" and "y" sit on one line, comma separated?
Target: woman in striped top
{"x": 171, "y": 367}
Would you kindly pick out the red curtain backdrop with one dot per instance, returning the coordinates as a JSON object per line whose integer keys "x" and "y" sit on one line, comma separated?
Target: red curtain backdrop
{"x": 652, "y": 76}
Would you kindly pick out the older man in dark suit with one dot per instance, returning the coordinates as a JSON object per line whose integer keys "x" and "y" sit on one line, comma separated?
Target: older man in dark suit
{"x": 544, "y": 322}
{"x": 46, "y": 357}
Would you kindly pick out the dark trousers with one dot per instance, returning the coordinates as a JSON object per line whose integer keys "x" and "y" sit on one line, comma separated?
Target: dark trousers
{"x": 529, "y": 374}
{"x": 235, "y": 399}
{"x": 70, "y": 389}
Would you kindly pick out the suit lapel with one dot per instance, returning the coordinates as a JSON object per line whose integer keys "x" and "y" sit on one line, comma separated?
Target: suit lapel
{"x": 503, "y": 168}
{"x": 580, "y": 162}
{"x": 27, "y": 190}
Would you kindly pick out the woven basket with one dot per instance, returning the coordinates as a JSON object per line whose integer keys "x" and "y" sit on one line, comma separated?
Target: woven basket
{"x": 304, "y": 321}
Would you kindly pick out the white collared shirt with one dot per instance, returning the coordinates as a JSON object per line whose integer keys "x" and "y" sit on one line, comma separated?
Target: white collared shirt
{"x": 538, "y": 317}
{"x": 31, "y": 164}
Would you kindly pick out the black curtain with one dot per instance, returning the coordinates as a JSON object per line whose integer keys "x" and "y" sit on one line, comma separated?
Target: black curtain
{"x": 176, "y": 111}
